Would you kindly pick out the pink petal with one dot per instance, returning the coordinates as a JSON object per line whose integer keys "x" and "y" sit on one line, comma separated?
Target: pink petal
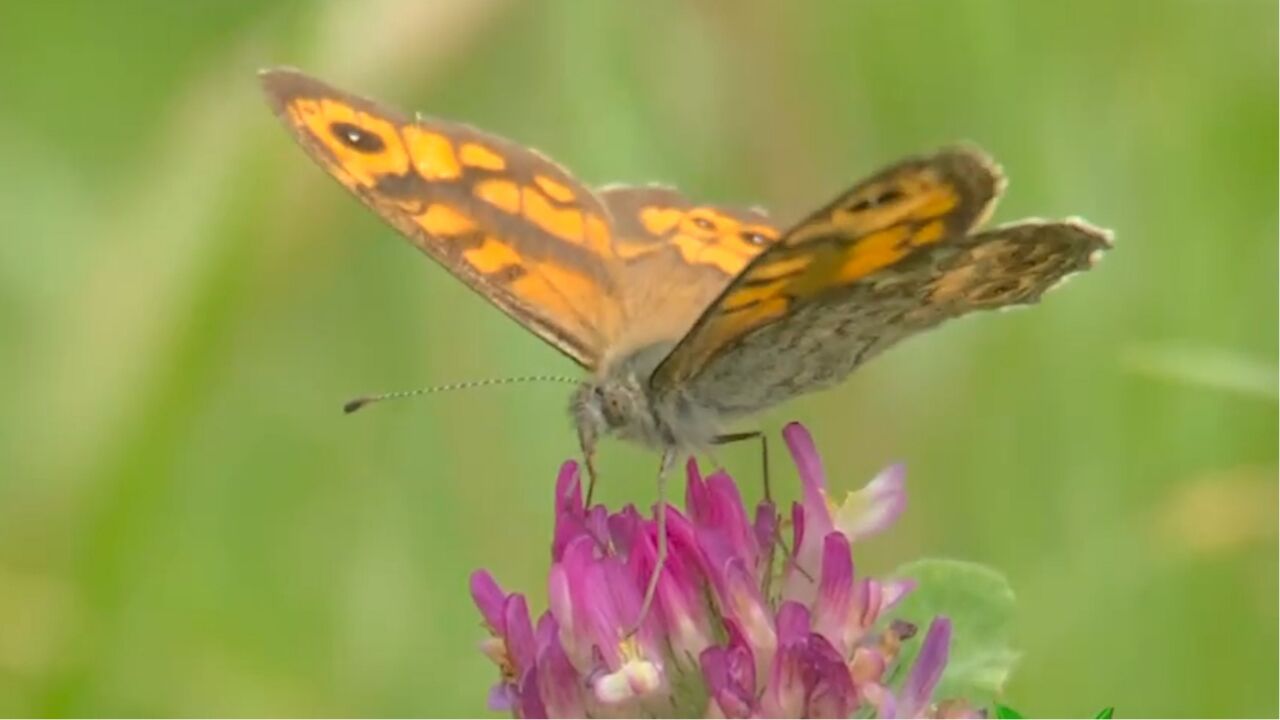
{"x": 927, "y": 670}
{"x": 875, "y": 507}
{"x": 893, "y": 591}
{"x": 521, "y": 648}
{"x": 812, "y": 519}
{"x": 793, "y": 623}
{"x": 530, "y": 699}
{"x": 570, "y": 513}
{"x": 812, "y": 477}
{"x": 835, "y": 588}
{"x": 500, "y": 699}
{"x": 745, "y": 606}
{"x": 489, "y": 599}
{"x": 766, "y": 531}
{"x": 832, "y": 694}
{"x": 730, "y": 677}
{"x": 559, "y": 682}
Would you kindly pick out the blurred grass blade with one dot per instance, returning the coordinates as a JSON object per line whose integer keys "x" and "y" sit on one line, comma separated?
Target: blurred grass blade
{"x": 1209, "y": 367}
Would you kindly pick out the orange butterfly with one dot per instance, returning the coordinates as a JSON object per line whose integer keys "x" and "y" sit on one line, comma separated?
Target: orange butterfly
{"x": 686, "y": 316}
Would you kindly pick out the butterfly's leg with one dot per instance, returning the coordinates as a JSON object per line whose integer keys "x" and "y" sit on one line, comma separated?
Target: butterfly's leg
{"x": 591, "y": 476}
{"x": 764, "y": 453}
{"x": 768, "y": 496}
{"x": 668, "y": 458}
{"x": 587, "y": 443}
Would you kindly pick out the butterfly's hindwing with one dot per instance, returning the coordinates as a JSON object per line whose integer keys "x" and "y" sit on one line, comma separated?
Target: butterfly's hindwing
{"x": 887, "y": 260}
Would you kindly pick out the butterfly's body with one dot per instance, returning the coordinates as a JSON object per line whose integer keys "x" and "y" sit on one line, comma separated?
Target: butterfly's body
{"x": 686, "y": 317}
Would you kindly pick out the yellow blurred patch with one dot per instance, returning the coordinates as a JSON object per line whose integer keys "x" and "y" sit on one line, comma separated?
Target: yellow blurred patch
{"x": 38, "y": 622}
{"x": 1220, "y": 512}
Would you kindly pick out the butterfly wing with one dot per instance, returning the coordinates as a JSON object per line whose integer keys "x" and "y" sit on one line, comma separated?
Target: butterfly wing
{"x": 508, "y": 222}
{"x": 675, "y": 257}
{"x": 888, "y": 259}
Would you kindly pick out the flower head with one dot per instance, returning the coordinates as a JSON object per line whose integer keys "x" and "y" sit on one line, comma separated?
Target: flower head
{"x": 740, "y": 625}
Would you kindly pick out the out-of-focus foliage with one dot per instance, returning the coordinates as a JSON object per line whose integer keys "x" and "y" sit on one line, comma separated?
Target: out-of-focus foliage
{"x": 189, "y": 526}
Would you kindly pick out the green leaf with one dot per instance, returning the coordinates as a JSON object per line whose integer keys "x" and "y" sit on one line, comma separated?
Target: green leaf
{"x": 1004, "y": 711}
{"x": 980, "y": 604}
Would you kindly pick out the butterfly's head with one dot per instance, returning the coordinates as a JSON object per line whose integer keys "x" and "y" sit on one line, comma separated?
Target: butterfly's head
{"x": 615, "y": 405}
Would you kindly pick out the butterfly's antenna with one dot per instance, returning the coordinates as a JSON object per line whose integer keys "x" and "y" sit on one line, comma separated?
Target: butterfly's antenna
{"x": 353, "y": 405}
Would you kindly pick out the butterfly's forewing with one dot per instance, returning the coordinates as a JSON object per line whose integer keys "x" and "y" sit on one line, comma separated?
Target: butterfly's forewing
{"x": 507, "y": 221}
{"x": 675, "y": 257}
{"x": 888, "y": 259}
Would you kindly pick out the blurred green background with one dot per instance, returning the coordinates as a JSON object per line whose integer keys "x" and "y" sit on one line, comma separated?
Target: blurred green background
{"x": 189, "y": 526}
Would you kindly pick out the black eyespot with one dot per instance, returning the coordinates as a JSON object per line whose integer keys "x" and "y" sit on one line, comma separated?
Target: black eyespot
{"x": 888, "y": 196}
{"x": 704, "y": 223}
{"x": 357, "y": 138}
{"x": 755, "y": 238}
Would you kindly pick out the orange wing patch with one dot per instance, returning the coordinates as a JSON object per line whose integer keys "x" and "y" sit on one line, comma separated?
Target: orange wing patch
{"x": 554, "y": 190}
{"x": 566, "y": 223}
{"x": 502, "y": 194}
{"x": 478, "y": 156}
{"x": 492, "y": 256}
{"x": 444, "y": 221}
{"x": 660, "y": 220}
{"x": 598, "y": 239}
{"x": 573, "y": 291}
{"x": 878, "y": 249}
{"x": 705, "y": 236}
{"x": 750, "y": 295}
{"x": 780, "y": 268}
{"x": 432, "y": 153}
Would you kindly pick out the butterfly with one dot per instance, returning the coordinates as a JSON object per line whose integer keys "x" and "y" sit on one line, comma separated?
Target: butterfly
{"x": 686, "y": 316}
